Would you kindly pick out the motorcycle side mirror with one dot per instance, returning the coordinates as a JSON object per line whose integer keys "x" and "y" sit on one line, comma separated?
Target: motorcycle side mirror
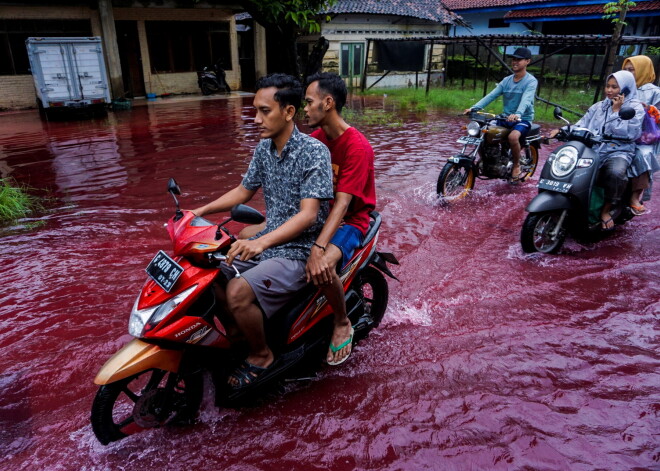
{"x": 246, "y": 214}
{"x": 626, "y": 113}
{"x": 173, "y": 189}
{"x": 557, "y": 112}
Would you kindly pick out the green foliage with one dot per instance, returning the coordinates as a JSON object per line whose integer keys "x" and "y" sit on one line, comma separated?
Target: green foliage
{"x": 302, "y": 13}
{"x": 653, "y": 51}
{"x": 15, "y": 202}
{"x": 616, "y": 11}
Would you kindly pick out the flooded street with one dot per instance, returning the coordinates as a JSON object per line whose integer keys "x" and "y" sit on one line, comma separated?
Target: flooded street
{"x": 487, "y": 358}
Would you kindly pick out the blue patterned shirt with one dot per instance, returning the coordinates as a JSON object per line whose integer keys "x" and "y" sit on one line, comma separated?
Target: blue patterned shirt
{"x": 302, "y": 171}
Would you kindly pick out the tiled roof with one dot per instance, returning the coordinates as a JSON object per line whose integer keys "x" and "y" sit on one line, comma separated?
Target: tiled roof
{"x": 432, "y": 10}
{"x": 577, "y": 10}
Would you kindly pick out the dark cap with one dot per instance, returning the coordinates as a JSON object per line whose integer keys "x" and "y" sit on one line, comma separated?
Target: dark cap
{"x": 521, "y": 53}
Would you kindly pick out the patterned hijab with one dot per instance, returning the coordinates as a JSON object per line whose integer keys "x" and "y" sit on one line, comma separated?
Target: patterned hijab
{"x": 644, "y": 72}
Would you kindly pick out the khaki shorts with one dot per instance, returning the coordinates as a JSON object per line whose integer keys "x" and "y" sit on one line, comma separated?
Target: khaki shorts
{"x": 274, "y": 281}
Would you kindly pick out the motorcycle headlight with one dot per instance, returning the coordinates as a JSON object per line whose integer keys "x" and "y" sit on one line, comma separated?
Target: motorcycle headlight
{"x": 564, "y": 161}
{"x": 473, "y": 129}
{"x": 153, "y": 315}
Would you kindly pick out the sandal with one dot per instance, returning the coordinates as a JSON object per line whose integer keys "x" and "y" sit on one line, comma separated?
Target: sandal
{"x": 517, "y": 179}
{"x": 246, "y": 374}
{"x": 637, "y": 210}
{"x": 605, "y": 225}
{"x": 334, "y": 349}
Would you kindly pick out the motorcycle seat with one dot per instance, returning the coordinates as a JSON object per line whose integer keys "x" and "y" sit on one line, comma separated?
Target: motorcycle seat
{"x": 535, "y": 130}
{"x": 374, "y": 225}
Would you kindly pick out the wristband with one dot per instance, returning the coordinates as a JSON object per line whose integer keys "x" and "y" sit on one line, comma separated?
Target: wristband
{"x": 319, "y": 246}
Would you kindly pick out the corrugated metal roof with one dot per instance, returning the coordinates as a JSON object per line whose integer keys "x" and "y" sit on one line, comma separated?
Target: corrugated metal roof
{"x": 432, "y": 10}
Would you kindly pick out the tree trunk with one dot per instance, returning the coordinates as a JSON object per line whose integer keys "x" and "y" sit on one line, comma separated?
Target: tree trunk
{"x": 616, "y": 39}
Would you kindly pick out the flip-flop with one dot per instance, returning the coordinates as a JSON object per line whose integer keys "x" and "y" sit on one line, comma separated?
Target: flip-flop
{"x": 638, "y": 210}
{"x": 246, "y": 374}
{"x": 604, "y": 223}
{"x": 334, "y": 349}
{"x": 517, "y": 179}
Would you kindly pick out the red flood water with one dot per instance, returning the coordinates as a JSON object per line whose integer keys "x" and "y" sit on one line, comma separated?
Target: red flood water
{"x": 487, "y": 358}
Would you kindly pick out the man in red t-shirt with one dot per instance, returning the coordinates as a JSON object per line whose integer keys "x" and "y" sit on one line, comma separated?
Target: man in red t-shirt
{"x": 355, "y": 197}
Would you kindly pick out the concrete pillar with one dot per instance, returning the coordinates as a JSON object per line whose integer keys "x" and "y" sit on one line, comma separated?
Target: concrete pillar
{"x": 111, "y": 49}
{"x": 144, "y": 53}
{"x": 260, "y": 64}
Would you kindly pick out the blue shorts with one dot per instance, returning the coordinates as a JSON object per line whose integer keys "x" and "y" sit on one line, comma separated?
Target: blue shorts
{"x": 521, "y": 126}
{"x": 347, "y": 239}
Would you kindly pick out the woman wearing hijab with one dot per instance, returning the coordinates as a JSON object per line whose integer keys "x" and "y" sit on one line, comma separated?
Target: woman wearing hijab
{"x": 618, "y": 149}
{"x": 645, "y": 161}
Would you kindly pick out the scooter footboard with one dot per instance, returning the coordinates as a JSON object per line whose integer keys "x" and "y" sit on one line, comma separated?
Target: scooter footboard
{"x": 138, "y": 356}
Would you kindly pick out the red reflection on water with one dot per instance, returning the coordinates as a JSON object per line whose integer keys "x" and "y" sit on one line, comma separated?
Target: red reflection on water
{"x": 487, "y": 358}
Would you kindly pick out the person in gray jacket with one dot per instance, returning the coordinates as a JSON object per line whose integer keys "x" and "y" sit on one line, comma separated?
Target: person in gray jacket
{"x": 618, "y": 149}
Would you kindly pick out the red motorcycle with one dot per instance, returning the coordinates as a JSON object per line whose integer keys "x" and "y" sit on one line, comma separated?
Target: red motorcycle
{"x": 157, "y": 378}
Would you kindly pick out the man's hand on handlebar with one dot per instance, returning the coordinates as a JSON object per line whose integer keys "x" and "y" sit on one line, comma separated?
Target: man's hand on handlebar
{"x": 247, "y": 249}
{"x": 468, "y": 111}
{"x": 513, "y": 118}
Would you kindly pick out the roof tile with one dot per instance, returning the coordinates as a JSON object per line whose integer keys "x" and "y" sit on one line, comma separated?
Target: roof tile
{"x": 432, "y": 10}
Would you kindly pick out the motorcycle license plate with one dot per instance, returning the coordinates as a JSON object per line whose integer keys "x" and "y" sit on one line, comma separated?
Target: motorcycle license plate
{"x": 469, "y": 140}
{"x": 547, "y": 184}
{"x": 164, "y": 271}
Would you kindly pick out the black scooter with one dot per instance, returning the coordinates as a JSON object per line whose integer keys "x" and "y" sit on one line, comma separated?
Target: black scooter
{"x": 569, "y": 198}
{"x": 212, "y": 80}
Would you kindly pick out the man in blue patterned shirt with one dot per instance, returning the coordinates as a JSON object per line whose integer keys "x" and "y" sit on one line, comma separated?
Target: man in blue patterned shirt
{"x": 294, "y": 172}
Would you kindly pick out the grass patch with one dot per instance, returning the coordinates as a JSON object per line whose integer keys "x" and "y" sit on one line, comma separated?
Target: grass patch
{"x": 15, "y": 202}
{"x": 371, "y": 116}
{"x": 456, "y": 99}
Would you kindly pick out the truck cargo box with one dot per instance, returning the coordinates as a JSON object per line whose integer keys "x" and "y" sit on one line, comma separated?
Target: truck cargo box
{"x": 69, "y": 74}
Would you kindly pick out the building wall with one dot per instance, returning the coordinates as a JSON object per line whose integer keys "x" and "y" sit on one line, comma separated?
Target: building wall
{"x": 479, "y": 22}
{"x": 17, "y": 91}
{"x": 357, "y": 28}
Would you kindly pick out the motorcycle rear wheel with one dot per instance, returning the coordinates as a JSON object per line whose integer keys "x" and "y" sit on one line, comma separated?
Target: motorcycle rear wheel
{"x": 529, "y": 159}
{"x": 148, "y": 399}
{"x": 455, "y": 181}
{"x": 373, "y": 289}
{"x": 535, "y": 234}
{"x": 209, "y": 88}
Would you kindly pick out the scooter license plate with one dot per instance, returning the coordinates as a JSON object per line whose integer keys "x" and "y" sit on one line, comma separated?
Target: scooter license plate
{"x": 469, "y": 140}
{"x": 547, "y": 184}
{"x": 164, "y": 271}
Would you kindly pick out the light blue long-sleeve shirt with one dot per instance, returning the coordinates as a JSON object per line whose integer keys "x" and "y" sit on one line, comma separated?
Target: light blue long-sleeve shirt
{"x": 518, "y": 96}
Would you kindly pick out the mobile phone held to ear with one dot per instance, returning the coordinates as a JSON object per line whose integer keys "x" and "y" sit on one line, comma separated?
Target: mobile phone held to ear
{"x": 625, "y": 91}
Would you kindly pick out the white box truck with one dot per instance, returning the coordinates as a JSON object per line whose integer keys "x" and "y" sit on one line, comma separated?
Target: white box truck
{"x": 69, "y": 74}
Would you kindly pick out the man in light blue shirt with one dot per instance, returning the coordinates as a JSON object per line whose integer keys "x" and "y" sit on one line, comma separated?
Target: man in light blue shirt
{"x": 518, "y": 92}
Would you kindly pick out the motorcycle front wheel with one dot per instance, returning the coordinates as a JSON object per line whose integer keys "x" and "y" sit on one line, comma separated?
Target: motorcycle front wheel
{"x": 146, "y": 400}
{"x": 455, "y": 181}
{"x": 537, "y": 233}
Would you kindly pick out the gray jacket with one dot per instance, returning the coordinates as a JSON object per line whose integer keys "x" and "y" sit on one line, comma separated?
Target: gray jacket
{"x": 601, "y": 120}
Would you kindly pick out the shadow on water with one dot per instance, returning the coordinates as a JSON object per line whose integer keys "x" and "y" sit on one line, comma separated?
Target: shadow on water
{"x": 488, "y": 358}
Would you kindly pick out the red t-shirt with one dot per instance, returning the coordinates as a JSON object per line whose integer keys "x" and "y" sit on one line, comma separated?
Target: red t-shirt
{"x": 353, "y": 173}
